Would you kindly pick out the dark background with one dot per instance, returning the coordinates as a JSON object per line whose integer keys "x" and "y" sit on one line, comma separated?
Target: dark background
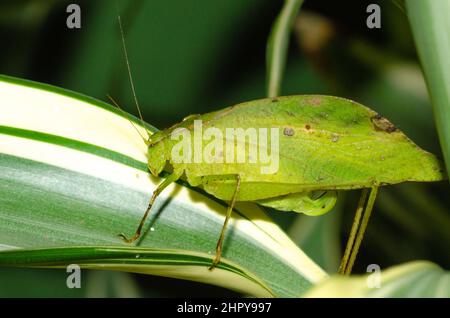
{"x": 197, "y": 56}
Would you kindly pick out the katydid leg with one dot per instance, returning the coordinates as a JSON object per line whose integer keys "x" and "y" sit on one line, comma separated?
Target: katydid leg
{"x": 359, "y": 226}
{"x": 216, "y": 259}
{"x": 362, "y": 229}
{"x": 353, "y": 231}
{"x": 166, "y": 182}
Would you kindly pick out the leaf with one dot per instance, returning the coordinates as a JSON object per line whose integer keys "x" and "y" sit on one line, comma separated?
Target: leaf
{"x": 178, "y": 264}
{"x": 413, "y": 279}
{"x": 430, "y": 23}
{"x": 74, "y": 175}
{"x": 277, "y": 45}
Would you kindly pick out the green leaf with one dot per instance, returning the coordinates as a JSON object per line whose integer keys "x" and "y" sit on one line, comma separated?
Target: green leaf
{"x": 278, "y": 44}
{"x": 430, "y": 23}
{"x": 414, "y": 279}
{"x": 179, "y": 264}
{"x": 74, "y": 175}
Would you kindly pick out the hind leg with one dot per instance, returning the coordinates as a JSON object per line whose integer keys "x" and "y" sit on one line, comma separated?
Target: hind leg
{"x": 359, "y": 226}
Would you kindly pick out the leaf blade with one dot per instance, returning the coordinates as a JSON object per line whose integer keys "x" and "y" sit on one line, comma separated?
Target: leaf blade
{"x": 69, "y": 190}
{"x": 413, "y": 279}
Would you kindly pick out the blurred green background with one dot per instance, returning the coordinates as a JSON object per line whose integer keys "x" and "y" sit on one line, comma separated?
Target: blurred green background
{"x": 198, "y": 56}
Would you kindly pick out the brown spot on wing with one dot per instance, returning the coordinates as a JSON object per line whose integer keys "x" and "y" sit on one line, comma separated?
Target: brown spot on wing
{"x": 382, "y": 124}
{"x": 316, "y": 101}
{"x": 288, "y": 131}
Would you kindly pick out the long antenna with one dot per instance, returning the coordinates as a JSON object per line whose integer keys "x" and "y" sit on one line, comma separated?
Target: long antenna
{"x": 124, "y": 46}
{"x": 126, "y": 115}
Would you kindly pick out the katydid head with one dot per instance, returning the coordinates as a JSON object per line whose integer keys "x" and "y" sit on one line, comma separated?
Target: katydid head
{"x": 156, "y": 153}
{"x": 161, "y": 144}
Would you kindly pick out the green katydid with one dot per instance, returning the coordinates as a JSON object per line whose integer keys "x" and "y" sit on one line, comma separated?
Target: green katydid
{"x": 326, "y": 144}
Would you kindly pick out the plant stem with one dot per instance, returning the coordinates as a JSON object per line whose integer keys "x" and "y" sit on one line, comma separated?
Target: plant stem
{"x": 278, "y": 44}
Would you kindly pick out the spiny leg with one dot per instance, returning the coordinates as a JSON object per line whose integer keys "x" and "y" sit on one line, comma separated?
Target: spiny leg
{"x": 353, "y": 231}
{"x": 172, "y": 178}
{"x": 227, "y": 218}
{"x": 362, "y": 229}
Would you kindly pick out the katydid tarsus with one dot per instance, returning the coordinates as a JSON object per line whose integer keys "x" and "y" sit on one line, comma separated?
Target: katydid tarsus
{"x": 325, "y": 144}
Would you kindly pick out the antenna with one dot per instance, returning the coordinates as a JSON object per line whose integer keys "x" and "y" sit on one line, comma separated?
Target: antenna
{"x": 126, "y": 115}
{"x": 130, "y": 75}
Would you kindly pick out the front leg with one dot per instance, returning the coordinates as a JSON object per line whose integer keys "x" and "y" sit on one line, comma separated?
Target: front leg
{"x": 164, "y": 184}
